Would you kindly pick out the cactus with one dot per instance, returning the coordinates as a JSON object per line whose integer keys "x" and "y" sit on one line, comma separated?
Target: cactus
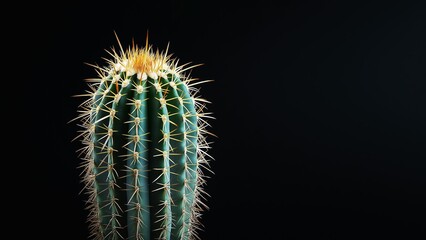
{"x": 144, "y": 134}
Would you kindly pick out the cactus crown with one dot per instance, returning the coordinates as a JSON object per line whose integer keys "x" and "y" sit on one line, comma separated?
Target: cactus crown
{"x": 144, "y": 134}
{"x": 142, "y": 61}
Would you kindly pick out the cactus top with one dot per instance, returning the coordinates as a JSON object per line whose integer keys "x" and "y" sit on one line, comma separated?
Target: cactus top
{"x": 144, "y": 62}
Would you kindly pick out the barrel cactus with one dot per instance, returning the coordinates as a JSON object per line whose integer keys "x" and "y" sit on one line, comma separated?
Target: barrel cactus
{"x": 144, "y": 155}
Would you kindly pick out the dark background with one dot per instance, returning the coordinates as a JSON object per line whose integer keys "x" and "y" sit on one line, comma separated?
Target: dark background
{"x": 319, "y": 106}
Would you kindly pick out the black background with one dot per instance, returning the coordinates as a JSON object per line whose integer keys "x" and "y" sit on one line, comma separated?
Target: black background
{"x": 319, "y": 106}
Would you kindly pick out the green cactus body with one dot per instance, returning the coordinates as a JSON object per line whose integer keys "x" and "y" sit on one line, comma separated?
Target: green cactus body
{"x": 144, "y": 135}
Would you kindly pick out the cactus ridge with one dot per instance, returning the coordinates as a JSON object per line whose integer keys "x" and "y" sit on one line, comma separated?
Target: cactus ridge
{"x": 144, "y": 135}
